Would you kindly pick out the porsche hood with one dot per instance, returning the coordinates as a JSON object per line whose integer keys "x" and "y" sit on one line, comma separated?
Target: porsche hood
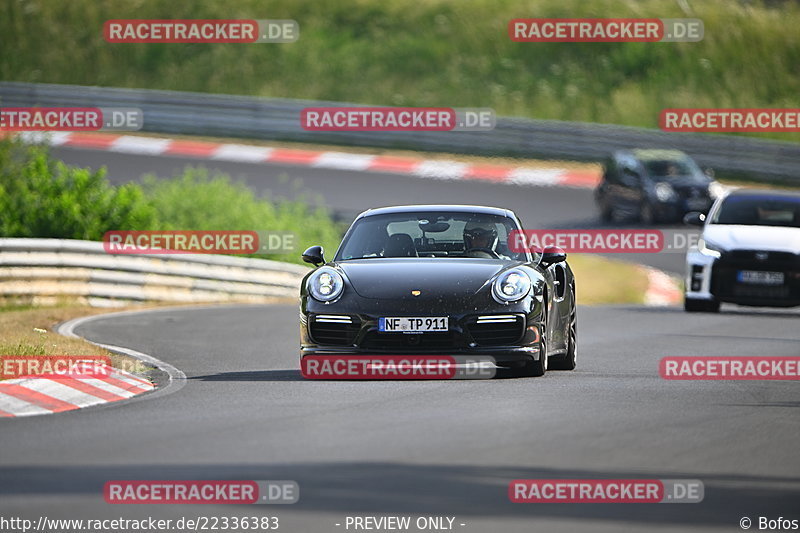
{"x": 434, "y": 278}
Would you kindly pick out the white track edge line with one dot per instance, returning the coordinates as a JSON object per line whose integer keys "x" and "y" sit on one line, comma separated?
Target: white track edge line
{"x": 176, "y": 377}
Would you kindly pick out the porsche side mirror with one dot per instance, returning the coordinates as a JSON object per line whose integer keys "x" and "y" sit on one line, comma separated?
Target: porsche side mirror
{"x": 694, "y": 218}
{"x": 314, "y": 256}
{"x": 552, "y": 255}
{"x": 708, "y": 171}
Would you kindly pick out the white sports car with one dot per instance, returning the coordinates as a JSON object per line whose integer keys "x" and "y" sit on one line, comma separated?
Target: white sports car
{"x": 748, "y": 253}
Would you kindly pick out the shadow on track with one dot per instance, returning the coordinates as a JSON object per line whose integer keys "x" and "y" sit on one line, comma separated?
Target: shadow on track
{"x": 466, "y": 490}
{"x": 257, "y": 375}
{"x": 294, "y": 375}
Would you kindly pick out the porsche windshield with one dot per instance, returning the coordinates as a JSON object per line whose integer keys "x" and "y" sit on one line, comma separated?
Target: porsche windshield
{"x": 429, "y": 234}
{"x": 760, "y": 210}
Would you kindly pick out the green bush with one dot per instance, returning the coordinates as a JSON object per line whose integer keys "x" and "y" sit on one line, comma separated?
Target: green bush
{"x": 198, "y": 200}
{"x": 42, "y": 197}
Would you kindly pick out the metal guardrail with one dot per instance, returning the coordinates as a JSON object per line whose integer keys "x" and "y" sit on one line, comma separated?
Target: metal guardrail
{"x": 41, "y": 270}
{"x": 279, "y": 119}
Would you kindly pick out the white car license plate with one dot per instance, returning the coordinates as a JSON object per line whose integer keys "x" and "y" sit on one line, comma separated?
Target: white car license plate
{"x": 412, "y": 324}
{"x": 761, "y": 278}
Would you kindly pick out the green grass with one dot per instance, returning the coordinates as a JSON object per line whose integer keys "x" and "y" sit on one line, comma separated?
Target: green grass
{"x": 200, "y": 200}
{"x": 22, "y": 348}
{"x": 427, "y": 53}
{"x": 30, "y": 332}
{"x": 602, "y": 281}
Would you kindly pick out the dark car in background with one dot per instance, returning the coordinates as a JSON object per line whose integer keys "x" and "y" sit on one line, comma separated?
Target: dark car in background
{"x": 440, "y": 279}
{"x": 653, "y": 186}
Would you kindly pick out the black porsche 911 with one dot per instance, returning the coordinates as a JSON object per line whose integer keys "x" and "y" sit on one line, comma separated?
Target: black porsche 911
{"x": 440, "y": 280}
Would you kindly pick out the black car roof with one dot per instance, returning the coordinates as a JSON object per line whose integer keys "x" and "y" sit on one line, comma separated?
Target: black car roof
{"x": 438, "y": 207}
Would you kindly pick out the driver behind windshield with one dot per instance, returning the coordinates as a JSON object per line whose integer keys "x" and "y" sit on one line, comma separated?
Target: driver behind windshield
{"x": 480, "y": 240}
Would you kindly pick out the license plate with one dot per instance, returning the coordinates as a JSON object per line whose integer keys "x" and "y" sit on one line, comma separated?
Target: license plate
{"x": 412, "y": 324}
{"x": 761, "y": 278}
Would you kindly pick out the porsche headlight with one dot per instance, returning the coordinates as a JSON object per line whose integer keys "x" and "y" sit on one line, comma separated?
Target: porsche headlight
{"x": 325, "y": 285}
{"x": 511, "y": 286}
{"x": 709, "y": 248}
{"x": 664, "y": 192}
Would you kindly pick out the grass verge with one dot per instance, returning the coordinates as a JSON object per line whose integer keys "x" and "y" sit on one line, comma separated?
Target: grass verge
{"x": 29, "y": 331}
{"x": 602, "y": 281}
{"x": 428, "y": 53}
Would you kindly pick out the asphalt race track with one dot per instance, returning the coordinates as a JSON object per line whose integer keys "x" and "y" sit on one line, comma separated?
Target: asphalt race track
{"x": 422, "y": 448}
{"x": 444, "y": 448}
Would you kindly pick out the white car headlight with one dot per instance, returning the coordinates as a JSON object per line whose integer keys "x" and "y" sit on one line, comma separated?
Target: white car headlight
{"x": 709, "y": 248}
{"x": 664, "y": 192}
{"x": 325, "y": 285}
{"x": 716, "y": 189}
{"x": 511, "y": 286}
